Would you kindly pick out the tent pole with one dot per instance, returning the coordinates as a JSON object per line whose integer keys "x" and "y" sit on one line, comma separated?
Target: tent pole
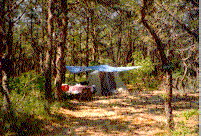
{"x": 73, "y": 77}
{"x": 87, "y": 74}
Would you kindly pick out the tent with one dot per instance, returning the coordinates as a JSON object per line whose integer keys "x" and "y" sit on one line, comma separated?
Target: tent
{"x": 104, "y": 77}
{"x": 106, "y": 82}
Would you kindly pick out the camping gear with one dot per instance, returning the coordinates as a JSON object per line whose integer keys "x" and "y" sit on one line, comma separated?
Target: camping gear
{"x": 104, "y": 77}
{"x": 65, "y": 87}
{"x": 78, "y": 90}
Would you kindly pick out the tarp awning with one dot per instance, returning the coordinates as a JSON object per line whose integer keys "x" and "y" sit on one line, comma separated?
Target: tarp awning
{"x": 102, "y": 68}
{"x": 77, "y": 69}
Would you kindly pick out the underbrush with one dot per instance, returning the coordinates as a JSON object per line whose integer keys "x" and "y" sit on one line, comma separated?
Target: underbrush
{"x": 28, "y": 103}
{"x": 147, "y": 79}
{"x": 28, "y": 93}
{"x": 141, "y": 78}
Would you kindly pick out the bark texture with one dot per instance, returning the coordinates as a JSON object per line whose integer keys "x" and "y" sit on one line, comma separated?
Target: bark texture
{"x": 165, "y": 66}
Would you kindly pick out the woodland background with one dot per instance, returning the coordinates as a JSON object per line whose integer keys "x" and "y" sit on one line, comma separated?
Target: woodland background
{"x": 38, "y": 38}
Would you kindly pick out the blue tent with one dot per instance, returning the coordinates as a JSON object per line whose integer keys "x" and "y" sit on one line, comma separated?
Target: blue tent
{"x": 102, "y": 68}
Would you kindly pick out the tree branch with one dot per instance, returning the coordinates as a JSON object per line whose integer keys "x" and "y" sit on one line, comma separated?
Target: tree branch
{"x": 184, "y": 27}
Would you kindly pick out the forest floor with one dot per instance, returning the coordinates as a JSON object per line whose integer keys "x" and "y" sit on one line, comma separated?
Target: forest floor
{"x": 139, "y": 114}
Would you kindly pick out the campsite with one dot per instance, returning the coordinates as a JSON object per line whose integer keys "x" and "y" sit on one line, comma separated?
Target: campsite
{"x": 127, "y": 111}
{"x": 99, "y": 67}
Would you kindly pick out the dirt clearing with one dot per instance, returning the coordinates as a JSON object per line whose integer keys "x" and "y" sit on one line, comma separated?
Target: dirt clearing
{"x": 124, "y": 114}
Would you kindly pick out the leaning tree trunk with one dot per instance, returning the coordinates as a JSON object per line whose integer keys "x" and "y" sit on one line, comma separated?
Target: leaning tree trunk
{"x": 5, "y": 91}
{"x": 6, "y": 44}
{"x": 8, "y": 111}
{"x": 166, "y": 67}
{"x": 6, "y": 63}
{"x": 59, "y": 70}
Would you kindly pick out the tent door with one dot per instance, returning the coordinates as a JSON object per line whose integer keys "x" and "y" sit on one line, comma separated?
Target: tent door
{"x": 108, "y": 83}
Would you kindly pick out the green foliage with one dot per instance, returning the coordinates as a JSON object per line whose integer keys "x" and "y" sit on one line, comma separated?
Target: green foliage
{"x": 105, "y": 61}
{"x": 141, "y": 77}
{"x": 189, "y": 113}
{"x": 69, "y": 78}
{"x": 182, "y": 128}
{"x": 27, "y": 93}
{"x": 93, "y": 63}
{"x": 27, "y": 97}
{"x": 188, "y": 84}
{"x": 72, "y": 79}
{"x": 146, "y": 63}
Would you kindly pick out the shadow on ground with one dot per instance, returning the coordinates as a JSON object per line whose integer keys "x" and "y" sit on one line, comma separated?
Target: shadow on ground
{"x": 24, "y": 125}
{"x": 179, "y": 102}
{"x": 149, "y": 104}
{"x": 81, "y": 126}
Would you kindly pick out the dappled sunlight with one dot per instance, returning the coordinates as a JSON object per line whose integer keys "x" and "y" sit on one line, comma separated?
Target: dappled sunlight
{"x": 123, "y": 114}
{"x": 85, "y": 112}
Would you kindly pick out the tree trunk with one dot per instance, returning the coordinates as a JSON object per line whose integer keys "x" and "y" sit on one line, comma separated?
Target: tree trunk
{"x": 168, "y": 101}
{"x": 112, "y": 55}
{"x": 42, "y": 53}
{"x": 6, "y": 44}
{"x": 5, "y": 92}
{"x": 48, "y": 59}
{"x": 9, "y": 49}
{"x": 60, "y": 60}
{"x": 6, "y": 40}
{"x": 7, "y": 106}
{"x": 87, "y": 45}
{"x": 59, "y": 69}
{"x": 87, "y": 42}
{"x": 94, "y": 35}
{"x": 2, "y": 27}
{"x": 129, "y": 54}
{"x": 165, "y": 65}
{"x": 108, "y": 84}
{"x": 35, "y": 47}
{"x": 119, "y": 44}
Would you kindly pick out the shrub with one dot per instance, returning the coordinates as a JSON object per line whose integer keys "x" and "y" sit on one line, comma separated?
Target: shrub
{"x": 141, "y": 77}
{"x": 27, "y": 93}
{"x": 27, "y": 97}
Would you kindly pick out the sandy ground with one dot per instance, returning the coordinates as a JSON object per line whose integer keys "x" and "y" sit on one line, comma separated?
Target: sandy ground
{"x": 139, "y": 114}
